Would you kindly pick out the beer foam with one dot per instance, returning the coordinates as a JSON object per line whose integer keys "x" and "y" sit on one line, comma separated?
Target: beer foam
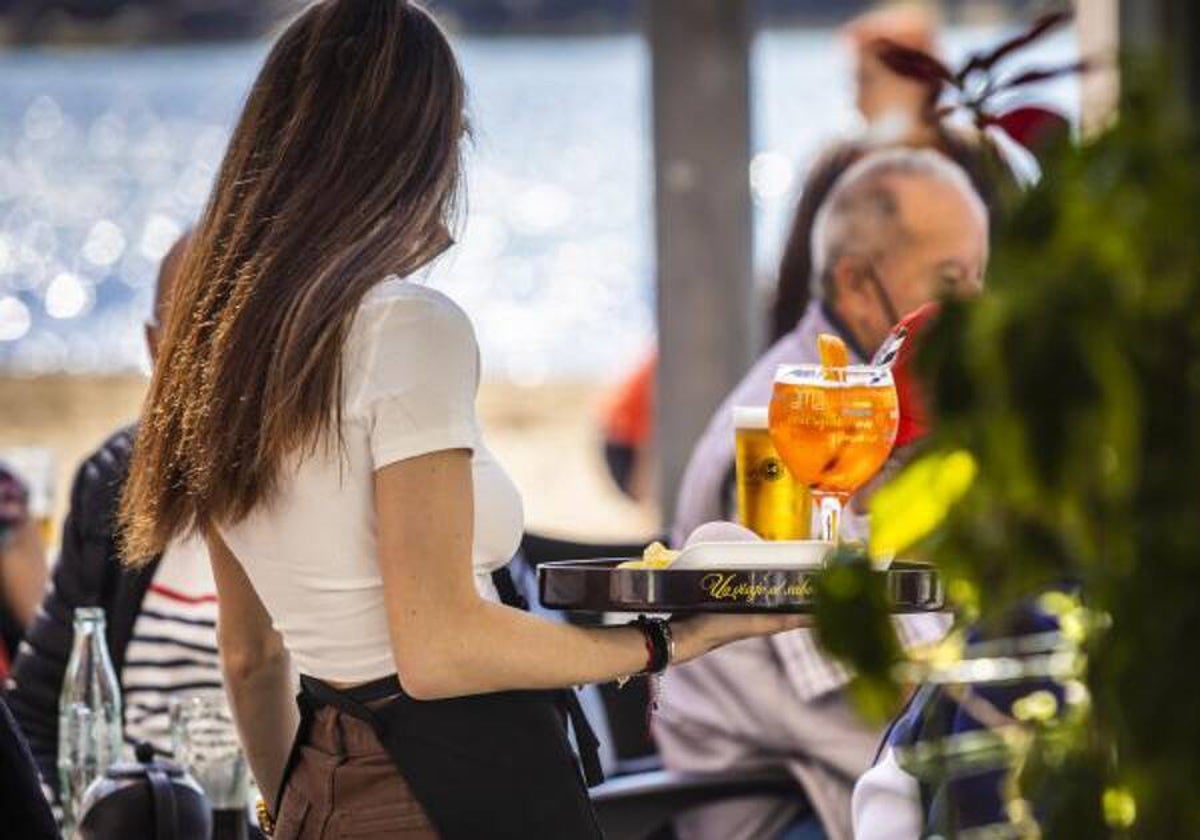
{"x": 750, "y": 416}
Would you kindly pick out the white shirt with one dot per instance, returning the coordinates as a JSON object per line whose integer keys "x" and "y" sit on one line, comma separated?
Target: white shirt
{"x": 887, "y": 803}
{"x": 411, "y": 373}
{"x": 812, "y": 673}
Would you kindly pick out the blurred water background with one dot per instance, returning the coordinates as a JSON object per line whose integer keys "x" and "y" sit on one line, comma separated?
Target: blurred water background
{"x": 107, "y": 154}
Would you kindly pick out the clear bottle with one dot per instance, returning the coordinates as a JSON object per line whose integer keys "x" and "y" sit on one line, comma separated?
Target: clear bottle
{"x": 89, "y": 714}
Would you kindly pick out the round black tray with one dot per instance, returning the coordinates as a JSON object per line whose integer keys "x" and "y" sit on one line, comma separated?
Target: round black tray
{"x": 599, "y": 586}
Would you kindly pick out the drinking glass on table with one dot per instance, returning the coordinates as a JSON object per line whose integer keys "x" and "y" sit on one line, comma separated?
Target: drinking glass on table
{"x": 834, "y": 428}
{"x": 205, "y": 743}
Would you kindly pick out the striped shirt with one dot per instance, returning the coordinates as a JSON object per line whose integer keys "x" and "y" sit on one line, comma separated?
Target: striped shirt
{"x": 813, "y": 674}
{"x": 173, "y": 651}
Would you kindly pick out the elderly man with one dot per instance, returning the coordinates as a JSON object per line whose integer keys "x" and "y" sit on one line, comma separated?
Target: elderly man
{"x": 899, "y": 228}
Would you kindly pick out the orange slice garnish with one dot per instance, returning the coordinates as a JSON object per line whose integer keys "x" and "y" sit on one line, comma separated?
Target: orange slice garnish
{"x": 834, "y": 355}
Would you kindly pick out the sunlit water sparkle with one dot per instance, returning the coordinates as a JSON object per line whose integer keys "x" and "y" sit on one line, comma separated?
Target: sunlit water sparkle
{"x": 105, "y": 157}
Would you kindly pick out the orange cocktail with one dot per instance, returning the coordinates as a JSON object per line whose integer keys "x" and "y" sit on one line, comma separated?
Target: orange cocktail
{"x": 834, "y": 428}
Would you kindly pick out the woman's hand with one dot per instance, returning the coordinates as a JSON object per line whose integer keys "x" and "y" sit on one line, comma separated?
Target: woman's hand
{"x": 697, "y": 635}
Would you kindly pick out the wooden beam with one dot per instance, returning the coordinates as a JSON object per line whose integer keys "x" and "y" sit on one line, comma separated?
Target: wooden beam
{"x": 700, "y": 57}
{"x": 1170, "y": 29}
{"x": 1097, "y": 26}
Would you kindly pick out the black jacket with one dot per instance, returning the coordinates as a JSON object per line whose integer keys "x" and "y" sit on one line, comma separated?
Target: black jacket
{"x": 88, "y": 574}
{"x": 25, "y": 811}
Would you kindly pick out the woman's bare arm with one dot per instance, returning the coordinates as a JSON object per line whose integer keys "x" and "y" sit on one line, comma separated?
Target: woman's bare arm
{"x": 259, "y": 681}
{"x": 449, "y": 642}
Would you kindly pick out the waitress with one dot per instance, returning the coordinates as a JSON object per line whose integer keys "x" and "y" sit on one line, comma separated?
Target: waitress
{"x": 313, "y": 414}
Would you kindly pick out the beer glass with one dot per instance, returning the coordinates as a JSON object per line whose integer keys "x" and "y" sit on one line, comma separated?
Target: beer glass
{"x": 769, "y": 501}
{"x": 205, "y": 743}
{"x": 834, "y": 428}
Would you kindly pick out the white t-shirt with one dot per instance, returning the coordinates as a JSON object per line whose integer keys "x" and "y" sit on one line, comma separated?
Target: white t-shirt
{"x": 887, "y": 802}
{"x": 411, "y": 373}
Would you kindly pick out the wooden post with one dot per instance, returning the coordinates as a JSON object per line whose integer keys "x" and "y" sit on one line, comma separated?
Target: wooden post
{"x": 1097, "y": 24}
{"x": 1167, "y": 28}
{"x": 706, "y": 326}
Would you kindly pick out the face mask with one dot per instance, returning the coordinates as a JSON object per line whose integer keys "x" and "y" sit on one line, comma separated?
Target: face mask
{"x": 881, "y": 293}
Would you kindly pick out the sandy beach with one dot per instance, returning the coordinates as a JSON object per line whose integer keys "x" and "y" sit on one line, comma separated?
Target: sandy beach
{"x": 546, "y": 436}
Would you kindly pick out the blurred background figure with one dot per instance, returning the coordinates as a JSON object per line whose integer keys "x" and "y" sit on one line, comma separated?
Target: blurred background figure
{"x": 161, "y": 618}
{"x": 628, "y": 422}
{"x": 22, "y": 565}
{"x": 896, "y": 111}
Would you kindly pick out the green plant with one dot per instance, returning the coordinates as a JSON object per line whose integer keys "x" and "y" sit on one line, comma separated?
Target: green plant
{"x": 1073, "y": 389}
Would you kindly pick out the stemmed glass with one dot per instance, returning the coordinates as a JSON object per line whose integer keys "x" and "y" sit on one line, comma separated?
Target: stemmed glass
{"x": 834, "y": 428}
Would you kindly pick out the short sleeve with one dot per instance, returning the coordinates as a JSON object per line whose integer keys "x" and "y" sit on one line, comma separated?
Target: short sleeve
{"x": 412, "y": 375}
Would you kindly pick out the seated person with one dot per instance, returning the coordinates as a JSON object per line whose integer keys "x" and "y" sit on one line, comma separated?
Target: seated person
{"x": 22, "y": 566}
{"x": 896, "y": 111}
{"x": 26, "y": 812}
{"x": 900, "y": 228}
{"x": 161, "y": 618}
{"x": 891, "y": 804}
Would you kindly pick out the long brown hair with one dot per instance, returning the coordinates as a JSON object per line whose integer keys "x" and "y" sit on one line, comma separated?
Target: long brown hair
{"x": 344, "y": 167}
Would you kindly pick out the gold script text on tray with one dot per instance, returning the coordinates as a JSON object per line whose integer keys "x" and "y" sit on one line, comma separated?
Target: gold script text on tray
{"x": 730, "y": 587}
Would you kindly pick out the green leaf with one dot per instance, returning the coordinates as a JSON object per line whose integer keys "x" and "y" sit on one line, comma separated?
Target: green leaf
{"x": 909, "y": 507}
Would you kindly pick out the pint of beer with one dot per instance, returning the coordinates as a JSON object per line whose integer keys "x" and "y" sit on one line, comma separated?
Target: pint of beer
{"x": 769, "y": 501}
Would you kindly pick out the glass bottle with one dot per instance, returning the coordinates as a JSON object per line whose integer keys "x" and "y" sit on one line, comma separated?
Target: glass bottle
{"x": 89, "y": 714}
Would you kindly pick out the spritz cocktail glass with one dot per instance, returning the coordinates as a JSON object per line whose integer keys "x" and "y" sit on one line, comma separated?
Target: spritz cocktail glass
{"x": 834, "y": 428}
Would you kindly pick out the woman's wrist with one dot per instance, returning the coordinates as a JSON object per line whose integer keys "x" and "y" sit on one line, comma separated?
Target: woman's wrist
{"x": 694, "y": 636}
{"x": 659, "y": 642}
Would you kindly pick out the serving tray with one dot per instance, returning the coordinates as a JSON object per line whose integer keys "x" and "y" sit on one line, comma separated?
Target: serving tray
{"x": 599, "y": 586}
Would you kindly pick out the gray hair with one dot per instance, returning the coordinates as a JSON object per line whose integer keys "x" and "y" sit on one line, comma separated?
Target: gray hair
{"x": 861, "y": 215}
